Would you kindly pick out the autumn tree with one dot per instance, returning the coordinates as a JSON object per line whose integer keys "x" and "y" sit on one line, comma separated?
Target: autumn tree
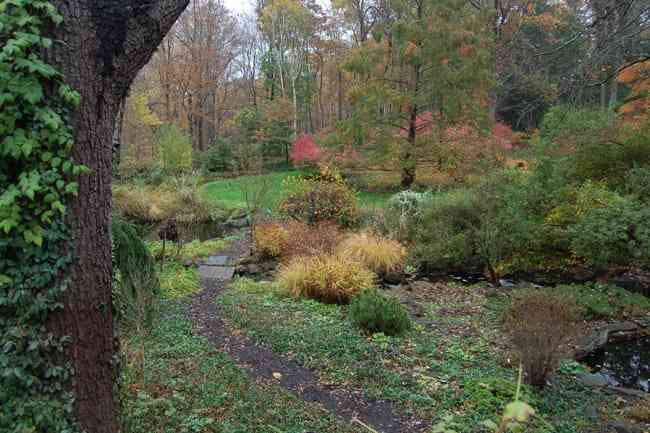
{"x": 429, "y": 66}
{"x": 289, "y": 27}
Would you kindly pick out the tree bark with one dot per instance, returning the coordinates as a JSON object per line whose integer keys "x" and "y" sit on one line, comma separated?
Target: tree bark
{"x": 100, "y": 48}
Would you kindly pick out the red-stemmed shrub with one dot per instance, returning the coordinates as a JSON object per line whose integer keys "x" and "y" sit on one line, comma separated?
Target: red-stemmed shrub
{"x": 539, "y": 322}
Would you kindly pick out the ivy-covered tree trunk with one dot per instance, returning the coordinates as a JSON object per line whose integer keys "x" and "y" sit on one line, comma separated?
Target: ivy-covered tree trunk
{"x": 101, "y": 46}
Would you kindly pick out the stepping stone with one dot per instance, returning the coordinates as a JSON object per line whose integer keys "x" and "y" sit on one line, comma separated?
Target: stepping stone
{"x": 217, "y": 261}
{"x": 222, "y": 273}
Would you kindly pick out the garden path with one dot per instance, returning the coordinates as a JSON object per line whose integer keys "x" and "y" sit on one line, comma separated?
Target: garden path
{"x": 267, "y": 367}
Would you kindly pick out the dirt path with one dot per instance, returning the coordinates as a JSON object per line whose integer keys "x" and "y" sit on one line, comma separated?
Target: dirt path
{"x": 266, "y": 366}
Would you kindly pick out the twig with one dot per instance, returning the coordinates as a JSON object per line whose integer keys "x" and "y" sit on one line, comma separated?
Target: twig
{"x": 370, "y": 429}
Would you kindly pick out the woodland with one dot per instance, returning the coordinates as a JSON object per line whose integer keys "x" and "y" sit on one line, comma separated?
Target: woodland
{"x": 331, "y": 216}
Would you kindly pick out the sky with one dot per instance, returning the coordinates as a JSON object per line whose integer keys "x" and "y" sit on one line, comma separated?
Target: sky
{"x": 248, "y": 6}
{"x": 240, "y": 6}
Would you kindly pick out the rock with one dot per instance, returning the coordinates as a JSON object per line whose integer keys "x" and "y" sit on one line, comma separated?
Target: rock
{"x": 595, "y": 380}
{"x": 253, "y": 269}
{"x": 189, "y": 264}
{"x": 492, "y": 292}
{"x": 268, "y": 266}
{"x": 623, "y": 331}
{"x": 393, "y": 278}
{"x": 629, "y": 392}
{"x": 615, "y": 332}
{"x": 421, "y": 286}
{"x": 236, "y": 223}
{"x": 623, "y": 427}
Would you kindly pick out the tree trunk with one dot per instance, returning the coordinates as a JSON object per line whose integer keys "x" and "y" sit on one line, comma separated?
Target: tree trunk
{"x": 104, "y": 45}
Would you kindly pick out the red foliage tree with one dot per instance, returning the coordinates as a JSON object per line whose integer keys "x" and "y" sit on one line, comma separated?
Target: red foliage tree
{"x": 305, "y": 151}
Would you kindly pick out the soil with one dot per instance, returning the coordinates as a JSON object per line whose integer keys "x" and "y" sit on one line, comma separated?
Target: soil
{"x": 268, "y": 367}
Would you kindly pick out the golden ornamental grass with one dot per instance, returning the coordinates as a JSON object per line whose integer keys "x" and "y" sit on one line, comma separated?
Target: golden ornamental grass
{"x": 378, "y": 254}
{"x": 327, "y": 278}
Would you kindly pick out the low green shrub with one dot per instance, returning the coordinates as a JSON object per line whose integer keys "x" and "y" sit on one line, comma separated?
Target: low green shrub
{"x": 488, "y": 396}
{"x": 374, "y": 312}
{"x": 136, "y": 285}
{"x": 605, "y": 301}
{"x": 637, "y": 184}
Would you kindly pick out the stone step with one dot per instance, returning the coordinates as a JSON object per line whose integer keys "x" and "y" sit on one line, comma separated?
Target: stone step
{"x": 222, "y": 273}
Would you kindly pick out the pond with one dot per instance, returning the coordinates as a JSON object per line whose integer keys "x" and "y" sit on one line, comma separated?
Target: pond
{"x": 625, "y": 364}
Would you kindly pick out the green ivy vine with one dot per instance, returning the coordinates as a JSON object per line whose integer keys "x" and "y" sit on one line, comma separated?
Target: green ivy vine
{"x": 36, "y": 180}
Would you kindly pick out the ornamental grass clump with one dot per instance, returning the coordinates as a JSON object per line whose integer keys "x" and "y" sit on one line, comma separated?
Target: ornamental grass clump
{"x": 380, "y": 255}
{"x": 374, "y": 312}
{"x": 270, "y": 239}
{"x": 330, "y": 278}
{"x": 539, "y": 322}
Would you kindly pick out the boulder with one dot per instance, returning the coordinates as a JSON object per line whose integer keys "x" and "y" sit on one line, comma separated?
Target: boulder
{"x": 623, "y": 427}
{"x": 593, "y": 379}
{"x": 612, "y": 333}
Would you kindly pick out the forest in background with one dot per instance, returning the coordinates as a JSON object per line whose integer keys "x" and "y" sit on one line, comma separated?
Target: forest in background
{"x": 396, "y": 85}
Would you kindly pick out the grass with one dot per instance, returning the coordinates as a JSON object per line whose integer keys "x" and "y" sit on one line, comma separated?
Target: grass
{"x": 188, "y": 251}
{"x": 176, "y": 382}
{"x": 173, "y": 381}
{"x": 228, "y": 192}
{"x": 452, "y": 373}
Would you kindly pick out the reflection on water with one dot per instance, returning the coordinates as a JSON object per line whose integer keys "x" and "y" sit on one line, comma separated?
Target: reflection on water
{"x": 624, "y": 364}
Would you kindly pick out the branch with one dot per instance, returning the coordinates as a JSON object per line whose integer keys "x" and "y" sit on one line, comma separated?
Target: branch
{"x": 147, "y": 23}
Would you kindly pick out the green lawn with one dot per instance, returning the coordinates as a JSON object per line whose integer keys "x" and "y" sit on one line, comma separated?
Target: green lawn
{"x": 229, "y": 193}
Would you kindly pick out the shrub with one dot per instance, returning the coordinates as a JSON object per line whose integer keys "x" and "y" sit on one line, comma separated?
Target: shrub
{"x": 616, "y": 232}
{"x": 218, "y": 158}
{"x": 305, "y": 151}
{"x": 602, "y": 301}
{"x": 270, "y": 239}
{"x": 314, "y": 201}
{"x": 445, "y": 237}
{"x": 174, "y": 148}
{"x": 136, "y": 286}
{"x": 539, "y": 321}
{"x": 328, "y": 278}
{"x": 373, "y": 312}
{"x": 311, "y": 240}
{"x": 380, "y": 255}
{"x": 404, "y": 213}
{"x": 637, "y": 184}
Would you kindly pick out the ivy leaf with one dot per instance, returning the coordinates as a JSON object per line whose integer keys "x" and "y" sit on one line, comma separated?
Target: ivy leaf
{"x": 34, "y": 237}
